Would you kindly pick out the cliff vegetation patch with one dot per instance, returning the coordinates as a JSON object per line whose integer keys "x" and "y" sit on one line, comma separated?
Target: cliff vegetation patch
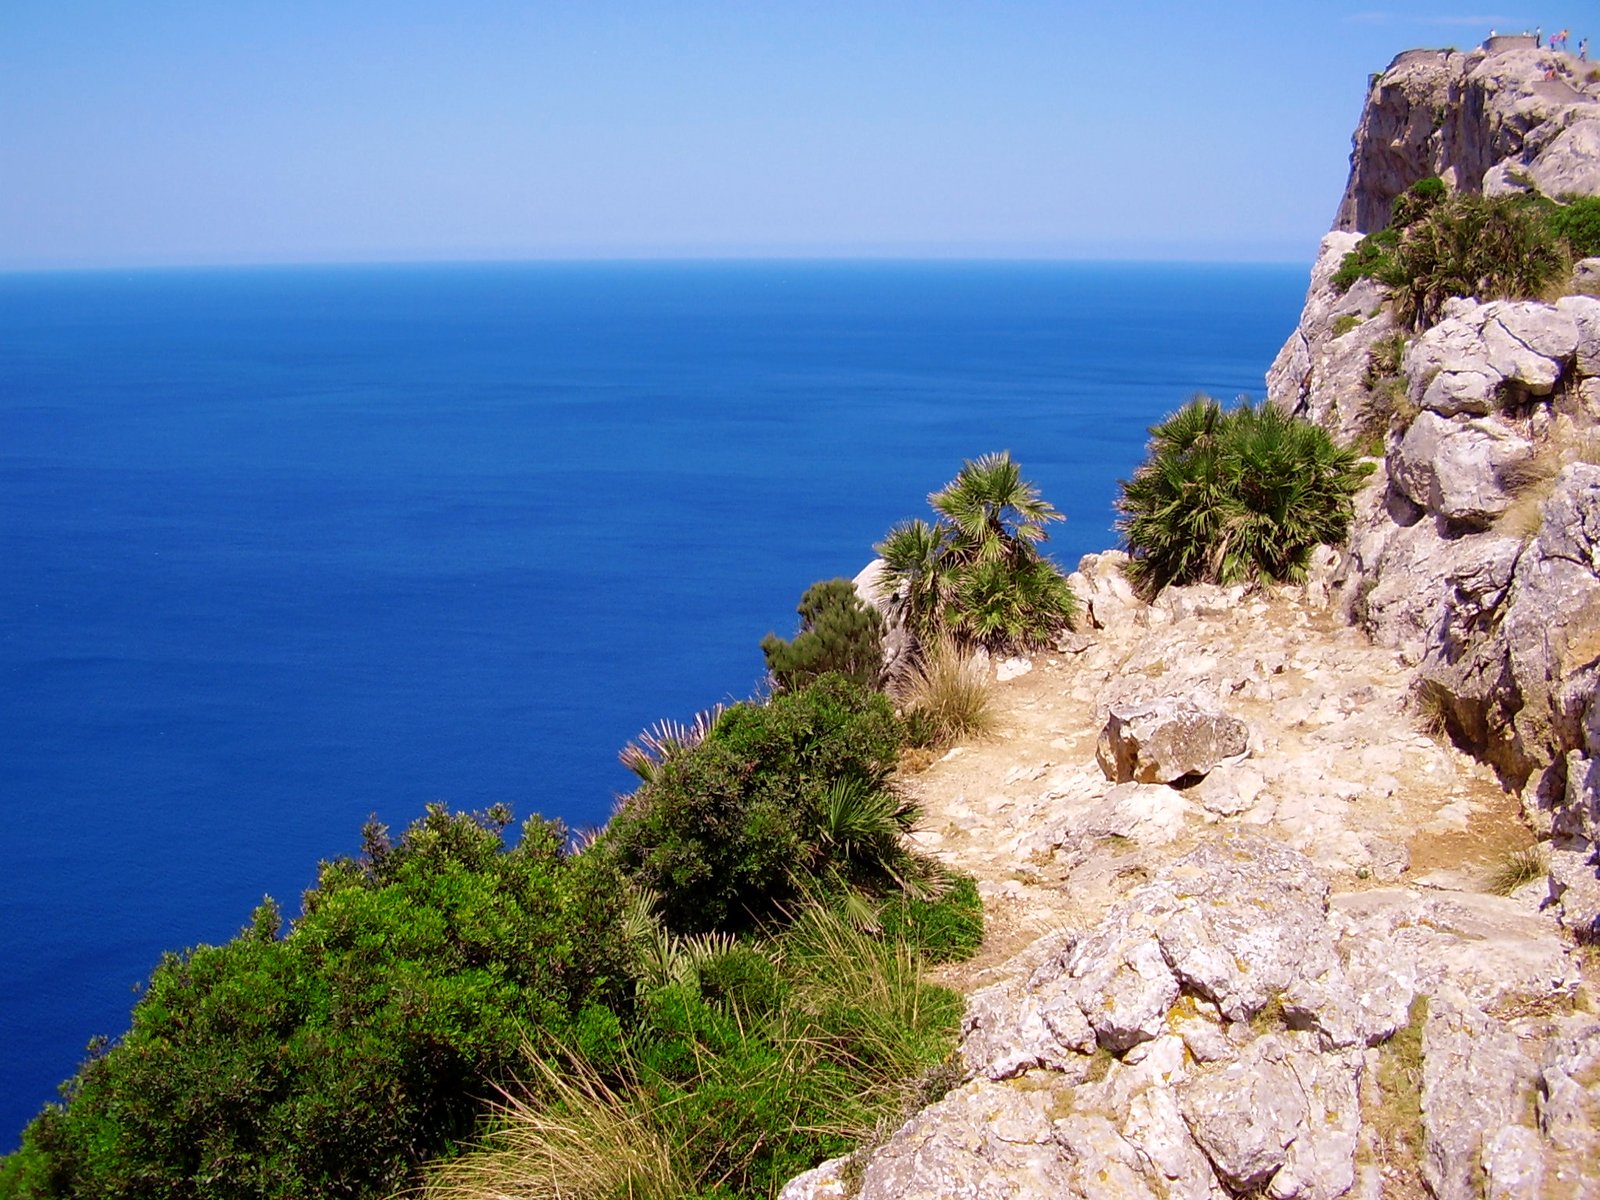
{"x": 1438, "y": 246}
{"x": 976, "y": 574}
{"x": 719, "y": 990}
{"x": 1234, "y": 496}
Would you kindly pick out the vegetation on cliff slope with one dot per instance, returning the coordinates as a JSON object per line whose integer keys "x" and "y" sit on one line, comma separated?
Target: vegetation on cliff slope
{"x": 730, "y": 1086}
{"x": 1234, "y": 496}
{"x": 335, "y": 1059}
{"x": 1438, "y": 246}
{"x": 838, "y": 632}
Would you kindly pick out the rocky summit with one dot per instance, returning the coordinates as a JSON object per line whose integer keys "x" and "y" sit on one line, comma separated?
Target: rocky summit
{"x": 1292, "y": 892}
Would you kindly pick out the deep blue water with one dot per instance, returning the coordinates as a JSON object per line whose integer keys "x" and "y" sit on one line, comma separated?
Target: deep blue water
{"x": 280, "y": 548}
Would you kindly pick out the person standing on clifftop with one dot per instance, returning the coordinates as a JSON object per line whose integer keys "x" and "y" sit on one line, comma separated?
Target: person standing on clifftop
{"x": 1583, "y": 50}
{"x": 1559, "y": 42}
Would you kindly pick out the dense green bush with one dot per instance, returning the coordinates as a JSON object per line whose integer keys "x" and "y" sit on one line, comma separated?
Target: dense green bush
{"x": 976, "y": 573}
{"x": 1234, "y": 496}
{"x": 947, "y": 927}
{"x": 838, "y": 633}
{"x": 1577, "y": 222}
{"x": 332, "y": 1061}
{"x": 1440, "y": 246}
{"x": 728, "y": 831}
{"x": 1373, "y": 255}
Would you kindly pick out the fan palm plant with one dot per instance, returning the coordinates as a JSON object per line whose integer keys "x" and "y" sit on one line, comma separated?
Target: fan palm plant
{"x": 995, "y": 514}
{"x": 976, "y": 573}
{"x": 1236, "y": 496}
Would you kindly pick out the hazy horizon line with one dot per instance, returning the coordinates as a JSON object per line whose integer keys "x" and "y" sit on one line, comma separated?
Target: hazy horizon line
{"x": 647, "y": 259}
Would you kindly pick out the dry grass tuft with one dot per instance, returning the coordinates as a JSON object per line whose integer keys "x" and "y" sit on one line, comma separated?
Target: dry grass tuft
{"x": 951, "y": 692}
{"x": 1430, "y": 700}
{"x": 578, "y": 1140}
{"x": 1532, "y": 481}
{"x": 1516, "y": 868}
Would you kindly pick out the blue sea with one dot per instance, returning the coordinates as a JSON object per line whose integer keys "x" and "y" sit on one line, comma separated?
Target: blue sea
{"x": 281, "y": 548}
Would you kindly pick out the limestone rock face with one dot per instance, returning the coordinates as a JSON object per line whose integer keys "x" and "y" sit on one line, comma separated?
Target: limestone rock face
{"x": 1320, "y": 373}
{"x": 1164, "y": 740}
{"x": 1105, "y": 597}
{"x": 1477, "y": 120}
{"x": 1457, "y": 469}
{"x": 898, "y": 644}
{"x": 1484, "y": 357}
{"x": 1220, "y": 1030}
{"x": 1518, "y": 642}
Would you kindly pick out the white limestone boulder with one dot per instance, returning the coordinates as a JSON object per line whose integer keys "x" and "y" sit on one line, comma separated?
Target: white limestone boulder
{"x": 1167, "y": 739}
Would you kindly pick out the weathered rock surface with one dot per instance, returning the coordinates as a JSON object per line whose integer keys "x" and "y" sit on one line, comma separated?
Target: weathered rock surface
{"x": 898, "y": 644}
{"x": 1211, "y": 1035}
{"x": 1458, "y": 470}
{"x": 1205, "y": 1015}
{"x": 1167, "y": 739}
{"x": 1321, "y": 371}
{"x": 1477, "y": 120}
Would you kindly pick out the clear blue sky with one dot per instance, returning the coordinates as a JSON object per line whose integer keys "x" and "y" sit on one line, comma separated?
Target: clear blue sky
{"x": 159, "y": 132}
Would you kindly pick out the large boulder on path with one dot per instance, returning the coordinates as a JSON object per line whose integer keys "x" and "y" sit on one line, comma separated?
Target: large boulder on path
{"x": 1164, "y": 740}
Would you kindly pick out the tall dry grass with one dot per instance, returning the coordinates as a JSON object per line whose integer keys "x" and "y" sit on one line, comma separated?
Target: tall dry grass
{"x": 568, "y": 1136}
{"x": 950, "y": 692}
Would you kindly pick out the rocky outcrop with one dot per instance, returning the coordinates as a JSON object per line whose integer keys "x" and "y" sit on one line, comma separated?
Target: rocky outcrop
{"x": 899, "y": 646}
{"x": 1168, "y": 739}
{"x": 1470, "y": 553}
{"x": 1323, "y": 369}
{"x": 1515, "y": 660}
{"x": 1481, "y": 121}
{"x": 1232, "y": 1027}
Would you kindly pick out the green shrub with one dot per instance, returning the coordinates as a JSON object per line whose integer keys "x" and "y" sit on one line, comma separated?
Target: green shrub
{"x": 1344, "y": 323}
{"x": 331, "y": 1061}
{"x": 1577, "y": 222}
{"x": 1236, "y": 496}
{"x": 976, "y": 573}
{"x": 838, "y": 633}
{"x": 1417, "y": 202}
{"x": 729, "y": 831}
{"x": 946, "y": 927}
{"x": 1484, "y": 247}
{"x": 1371, "y": 258}
{"x": 1488, "y": 248}
{"x": 709, "y": 1098}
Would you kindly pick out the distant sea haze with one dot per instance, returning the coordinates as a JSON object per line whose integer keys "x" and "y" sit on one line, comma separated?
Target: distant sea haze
{"x": 286, "y": 547}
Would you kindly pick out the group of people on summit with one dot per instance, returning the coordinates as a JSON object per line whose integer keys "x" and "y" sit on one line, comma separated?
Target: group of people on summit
{"x": 1558, "y": 41}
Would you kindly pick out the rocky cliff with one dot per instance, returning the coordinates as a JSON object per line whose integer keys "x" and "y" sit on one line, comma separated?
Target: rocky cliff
{"x": 1234, "y": 847}
{"x": 1474, "y": 554}
{"x": 1477, "y": 120}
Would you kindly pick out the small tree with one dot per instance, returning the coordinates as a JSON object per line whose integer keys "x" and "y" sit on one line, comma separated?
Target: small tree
{"x": 838, "y": 633}
{"x": 976, "y": 572}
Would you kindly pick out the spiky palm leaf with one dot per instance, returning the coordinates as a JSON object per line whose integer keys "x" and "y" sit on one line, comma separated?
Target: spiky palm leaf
{"x": 916, "y": 570}
{"x": 993, "y": 510}
{"x": 656, "y": 746}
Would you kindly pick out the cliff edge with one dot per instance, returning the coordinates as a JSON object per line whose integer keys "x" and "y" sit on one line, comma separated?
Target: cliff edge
{"x": 1236, "y": 848}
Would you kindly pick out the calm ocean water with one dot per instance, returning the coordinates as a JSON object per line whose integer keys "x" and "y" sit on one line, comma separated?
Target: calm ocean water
{"x": 283, "y": 548}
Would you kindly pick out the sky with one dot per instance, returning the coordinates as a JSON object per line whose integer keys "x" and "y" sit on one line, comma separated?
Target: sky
{"x": 164, "y": 133}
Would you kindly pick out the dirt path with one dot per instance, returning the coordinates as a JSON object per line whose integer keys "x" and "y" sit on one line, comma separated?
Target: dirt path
{"x": 1339, "y": 767}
